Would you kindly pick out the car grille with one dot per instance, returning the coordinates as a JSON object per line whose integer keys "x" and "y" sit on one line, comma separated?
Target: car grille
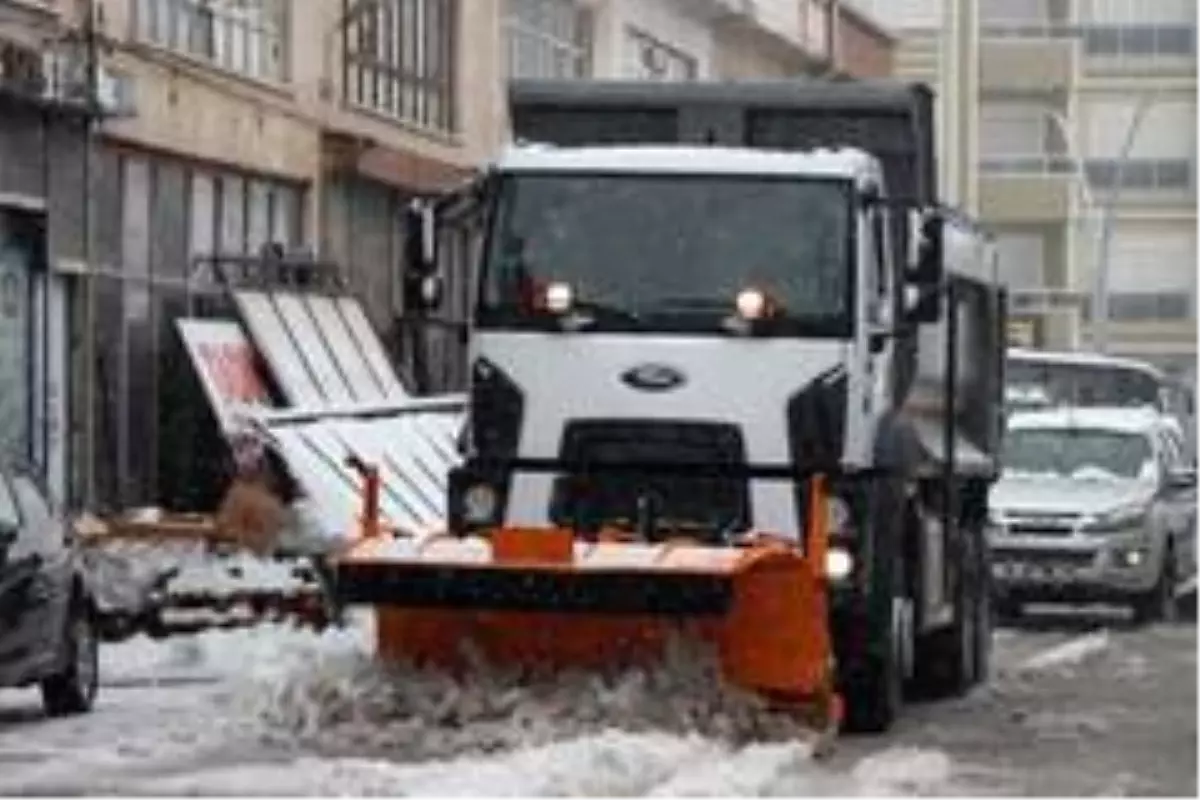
{"x": 1048, "y": 558}
{"x": 712, "y": 503}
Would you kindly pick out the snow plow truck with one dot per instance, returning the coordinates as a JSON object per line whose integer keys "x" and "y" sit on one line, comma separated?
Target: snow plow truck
{"x": 735, "y": 375}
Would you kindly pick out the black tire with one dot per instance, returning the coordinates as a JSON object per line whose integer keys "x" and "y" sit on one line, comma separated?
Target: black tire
{"x": 73, "y": 691}
{"x": 948, "y": 661}
{"x": 1159, "y": 604}
{"x": 874, "y": 695}
{"x": 873, "y": 689}
{"x": 1007, "y": 611}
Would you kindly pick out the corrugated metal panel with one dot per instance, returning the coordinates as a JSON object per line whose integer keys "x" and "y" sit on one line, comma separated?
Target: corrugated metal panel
{"x": 414, "y": 452}
{"x": 310, "y": 347}
{"x": 273, "y": 341}
{"x": 362, "y": 381}
{"x": 370, "y": 347}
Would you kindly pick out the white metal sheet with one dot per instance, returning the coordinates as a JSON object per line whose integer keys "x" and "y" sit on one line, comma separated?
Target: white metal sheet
{"x": 362, "y": 381}
{"x": 224, "y": 361}
{"x": 371, "y": 348}
{"x": 273, "y": 340}
{"x": 418, "y": 500}
{"x": 312, "y": 347}
{"x": 329, "y": 439}
{"x": 335, "y": 501}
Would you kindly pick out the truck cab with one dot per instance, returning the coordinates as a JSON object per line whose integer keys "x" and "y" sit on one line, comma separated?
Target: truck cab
{"x": 692, "y": 299}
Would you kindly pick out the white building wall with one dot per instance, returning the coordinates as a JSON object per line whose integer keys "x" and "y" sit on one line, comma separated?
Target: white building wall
{"x": 681, "y": 35}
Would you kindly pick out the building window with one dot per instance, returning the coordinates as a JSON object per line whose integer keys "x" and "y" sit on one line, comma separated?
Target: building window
{"x": 399, "y": 61}
{"x": 230, "y": 214}
{"x": 1149, "y": 306}
{"x": 247, "y": 37}
{"x": 1140, "y": 40}
{"x": 647, "y": 58}
{"x": 548, "y": 39}
{"x": 1146, "y": 174}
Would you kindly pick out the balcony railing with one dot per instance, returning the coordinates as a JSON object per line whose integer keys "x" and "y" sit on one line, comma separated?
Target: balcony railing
{"x": 1102, "y": 173}
{"x": 1173, "y": 40}
{"x": 1037, "y": 164}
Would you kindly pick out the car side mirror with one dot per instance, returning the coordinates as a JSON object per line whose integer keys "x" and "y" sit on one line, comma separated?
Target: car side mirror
{"x": 1182, "y": 478}
{"x": 422, "y": 285}
{"x": 926, "y": 261}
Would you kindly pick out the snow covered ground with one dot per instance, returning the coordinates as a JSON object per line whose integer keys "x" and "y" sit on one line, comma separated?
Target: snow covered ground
{"x": 274, "y": 710}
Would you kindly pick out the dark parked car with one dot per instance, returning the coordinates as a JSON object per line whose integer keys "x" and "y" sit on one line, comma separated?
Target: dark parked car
{"x": 48, "y": 627}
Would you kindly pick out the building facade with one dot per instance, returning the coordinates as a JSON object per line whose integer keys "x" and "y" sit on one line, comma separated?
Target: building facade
{"x": 231, "y": 124}
{"x": 693, "y": 39}
{"x": 1074, "y": 137}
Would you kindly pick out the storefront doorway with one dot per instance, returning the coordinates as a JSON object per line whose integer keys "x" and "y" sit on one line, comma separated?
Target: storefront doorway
{"x": 16, "y": 336}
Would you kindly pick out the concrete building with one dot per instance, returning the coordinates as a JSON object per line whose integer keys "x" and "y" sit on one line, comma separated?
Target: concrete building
{"x": 693, "y": 39}
{"x": 308, "y": 123}
{"x": 1073, "y": 126}
{"x": 302, "y": 122}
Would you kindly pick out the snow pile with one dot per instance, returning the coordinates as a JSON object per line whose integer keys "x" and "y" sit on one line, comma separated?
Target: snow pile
{"x": 611, "y": 763}
{"x": 342, "y": 702}
{"x": 264, "y": 653}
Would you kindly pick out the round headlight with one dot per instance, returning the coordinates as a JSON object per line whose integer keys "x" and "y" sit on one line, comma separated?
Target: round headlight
{"x": 559, "y": 297}
{"x": 479, "y": 504}
{"x": 837, "y": 513}
{"x": 838, "y": 564}
{"x": 751, "y": 303}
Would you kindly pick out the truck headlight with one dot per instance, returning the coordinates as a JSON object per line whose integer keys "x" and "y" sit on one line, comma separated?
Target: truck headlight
{"x": 838, "y": 564}
{"x": 479, "y": 504}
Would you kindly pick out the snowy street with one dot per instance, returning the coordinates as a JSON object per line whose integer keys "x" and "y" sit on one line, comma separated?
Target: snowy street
{"x": 1080, "y": 707}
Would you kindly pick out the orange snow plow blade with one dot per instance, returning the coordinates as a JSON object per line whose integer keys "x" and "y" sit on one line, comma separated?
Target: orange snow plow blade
{"x": 543, "y": 600}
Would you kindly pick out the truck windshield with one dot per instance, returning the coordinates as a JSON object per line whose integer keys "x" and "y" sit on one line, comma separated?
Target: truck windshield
{"x": 672, "y": 252}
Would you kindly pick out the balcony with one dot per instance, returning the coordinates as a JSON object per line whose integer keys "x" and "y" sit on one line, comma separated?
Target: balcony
{"x": 1021, "y": 190}
{"x": 1022, "y": 58}
{"x": 1013, "y": 58}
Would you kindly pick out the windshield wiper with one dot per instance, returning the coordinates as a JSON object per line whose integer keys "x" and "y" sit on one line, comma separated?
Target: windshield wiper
{"x": 586, "y": 313}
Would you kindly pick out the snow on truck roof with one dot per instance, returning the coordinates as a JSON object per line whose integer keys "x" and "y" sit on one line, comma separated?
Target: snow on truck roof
{"x": 848, "y": 163}
{"x": 1119, "y": 420}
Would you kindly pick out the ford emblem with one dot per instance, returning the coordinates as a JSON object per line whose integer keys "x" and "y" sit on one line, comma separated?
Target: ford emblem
{"x": 653, "y": 378}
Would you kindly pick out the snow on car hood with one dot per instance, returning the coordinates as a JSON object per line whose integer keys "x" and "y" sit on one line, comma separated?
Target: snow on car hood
{"x": 1055, "y": 495}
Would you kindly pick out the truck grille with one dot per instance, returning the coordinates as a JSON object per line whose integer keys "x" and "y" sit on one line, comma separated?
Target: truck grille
{"x": 707, "y": 504}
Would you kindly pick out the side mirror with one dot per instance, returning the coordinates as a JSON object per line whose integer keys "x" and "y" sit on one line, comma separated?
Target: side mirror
{"x": 926, "y": 261}
{"x": 1182, "y": 478}
{"x": 922, "y": 304}
{"x": 421, "y": 258}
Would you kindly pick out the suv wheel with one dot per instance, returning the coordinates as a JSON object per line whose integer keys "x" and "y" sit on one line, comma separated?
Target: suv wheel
{"x": 1159, "y": 604}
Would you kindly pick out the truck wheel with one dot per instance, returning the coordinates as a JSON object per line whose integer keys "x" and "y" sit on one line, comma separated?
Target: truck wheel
{"x": 948, "y": 661}
{"x": 875, "y": 692}
{"x": 1159, "y": 604}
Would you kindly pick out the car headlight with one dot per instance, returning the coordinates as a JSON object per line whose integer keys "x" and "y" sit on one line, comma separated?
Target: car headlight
{"x": 1120, "y": 519}
{"x": 838, "y": 564}
{"x": 479, "y": 504}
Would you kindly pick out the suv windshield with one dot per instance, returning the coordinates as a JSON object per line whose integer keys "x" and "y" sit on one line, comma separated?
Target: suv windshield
{"x": 1090, "y": 385}
{"x": 663, "y": 252}
{"x": 1080, "y": 453}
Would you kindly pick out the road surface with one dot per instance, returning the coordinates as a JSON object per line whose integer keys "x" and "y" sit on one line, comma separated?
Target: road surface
{"x": 1075, "y": 706}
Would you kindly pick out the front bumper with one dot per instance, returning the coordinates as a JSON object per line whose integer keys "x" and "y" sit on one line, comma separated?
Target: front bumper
{"x": 1074, "y": 568}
